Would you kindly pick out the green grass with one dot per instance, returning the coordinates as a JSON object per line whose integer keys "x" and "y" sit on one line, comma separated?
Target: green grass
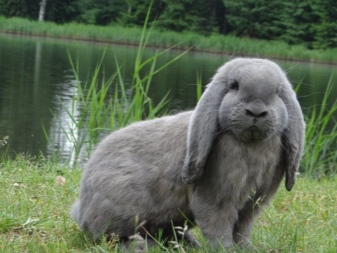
{"x": 215, "y": 43}
{"x": 320, "y": 156}
{"x": 34, "y": 213}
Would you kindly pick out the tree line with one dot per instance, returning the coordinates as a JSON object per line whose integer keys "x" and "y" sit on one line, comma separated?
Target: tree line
{"x": 311, "y": 23}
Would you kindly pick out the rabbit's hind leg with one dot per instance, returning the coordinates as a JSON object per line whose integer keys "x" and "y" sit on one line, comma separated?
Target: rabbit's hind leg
{"x": 100, "y": 216}
{"x": 137, "y": 244}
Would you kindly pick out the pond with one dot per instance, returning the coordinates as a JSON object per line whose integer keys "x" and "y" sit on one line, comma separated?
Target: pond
{"x": 37, "y": 83}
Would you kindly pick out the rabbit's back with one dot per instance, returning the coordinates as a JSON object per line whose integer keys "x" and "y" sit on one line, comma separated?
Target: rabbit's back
{"x": 125, "y": 174}
{"x": 142, "y": 143}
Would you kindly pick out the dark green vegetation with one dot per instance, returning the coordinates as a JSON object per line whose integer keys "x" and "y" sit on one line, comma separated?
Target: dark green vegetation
{"x": 309, "y": 23}
{"x": 215, "y": 43}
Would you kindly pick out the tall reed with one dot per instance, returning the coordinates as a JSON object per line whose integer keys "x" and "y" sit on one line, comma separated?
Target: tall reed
{"x": 320, "y": 156}
{"x": 106, "y": 105}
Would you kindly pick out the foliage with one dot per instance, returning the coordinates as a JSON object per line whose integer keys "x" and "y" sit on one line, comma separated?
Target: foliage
{"x": 308, "y": 23}
{"x": 320, "y": 157}
{"x": 61, "y": 11}
{"x": 135, "y": 12}
{"x": 13, "y": 8}
{"x": 191, "y": 15}
{"x": 100, "y": 12}
{"x": 325, "y": 29}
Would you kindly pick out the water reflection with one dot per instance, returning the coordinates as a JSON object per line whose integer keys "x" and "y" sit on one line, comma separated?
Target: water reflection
{"x": 37, "y": 85}
{"x": 63, "y": 133}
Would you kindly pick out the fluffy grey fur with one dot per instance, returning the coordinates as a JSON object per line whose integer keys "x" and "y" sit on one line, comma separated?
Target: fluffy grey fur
{"x": 215, "y": 165}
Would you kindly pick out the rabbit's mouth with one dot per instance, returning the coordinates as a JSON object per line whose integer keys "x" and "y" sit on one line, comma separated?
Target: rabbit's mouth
{"x": 252, "y": 134}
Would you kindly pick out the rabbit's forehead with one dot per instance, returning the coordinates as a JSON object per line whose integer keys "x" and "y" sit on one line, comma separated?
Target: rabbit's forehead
{"x": 263, "y": 76}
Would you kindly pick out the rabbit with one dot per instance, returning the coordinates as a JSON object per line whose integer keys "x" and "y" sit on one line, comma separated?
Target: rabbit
{"x": 215, "y": 166}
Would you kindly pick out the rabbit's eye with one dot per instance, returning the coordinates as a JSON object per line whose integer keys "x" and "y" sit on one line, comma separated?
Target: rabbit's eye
{"x": 234, "y": 85}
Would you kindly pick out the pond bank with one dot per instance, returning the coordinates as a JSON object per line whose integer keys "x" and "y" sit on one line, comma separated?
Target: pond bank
{"x": 215, "y": 43}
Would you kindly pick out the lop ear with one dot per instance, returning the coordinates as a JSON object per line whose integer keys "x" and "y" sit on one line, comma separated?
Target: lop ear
{"x": 202, "y": 130}
{"x": 292, "y": 138}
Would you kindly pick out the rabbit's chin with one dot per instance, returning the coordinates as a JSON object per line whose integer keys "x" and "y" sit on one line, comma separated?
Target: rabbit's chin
{"x": 251, "y": 134}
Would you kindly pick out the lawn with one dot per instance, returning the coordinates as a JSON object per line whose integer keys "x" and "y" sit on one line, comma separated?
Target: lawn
{"x": 36, "y": 196}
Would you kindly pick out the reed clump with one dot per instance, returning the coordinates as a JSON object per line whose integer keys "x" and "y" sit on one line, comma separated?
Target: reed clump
{"x": 103, "y": 105}
{"x": 215, "y": 43}
{"x": 320, "y": 156}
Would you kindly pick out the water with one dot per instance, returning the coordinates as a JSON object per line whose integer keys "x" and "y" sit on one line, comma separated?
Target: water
{"x": 37, "y": 83}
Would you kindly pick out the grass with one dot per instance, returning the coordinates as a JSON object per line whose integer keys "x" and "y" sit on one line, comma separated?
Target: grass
{"x": 215, "y": 43}
{"x": 35, "y": 203}
{"x": 320, "y": 156}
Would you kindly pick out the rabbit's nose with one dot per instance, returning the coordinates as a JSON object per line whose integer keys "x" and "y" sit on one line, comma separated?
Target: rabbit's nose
{"x": 256, "y": 114}
{"x": 256, "y": 109}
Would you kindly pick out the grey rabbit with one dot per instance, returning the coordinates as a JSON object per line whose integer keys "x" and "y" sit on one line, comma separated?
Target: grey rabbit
{"x": 215, "y": 166}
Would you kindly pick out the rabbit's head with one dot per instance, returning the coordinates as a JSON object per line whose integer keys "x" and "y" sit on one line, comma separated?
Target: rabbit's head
{"x": 252, "y": 100}
{"x": 252, "y": 109}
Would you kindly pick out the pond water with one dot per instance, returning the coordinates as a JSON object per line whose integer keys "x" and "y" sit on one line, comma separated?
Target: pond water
{"x": 36, "y": 81}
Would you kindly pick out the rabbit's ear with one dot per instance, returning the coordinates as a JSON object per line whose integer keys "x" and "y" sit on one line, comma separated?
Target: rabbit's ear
{"x": 202, "y": 130}
{"x": 292, "y": 138}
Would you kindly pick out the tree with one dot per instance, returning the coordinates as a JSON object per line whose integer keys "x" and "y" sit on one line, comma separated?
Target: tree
{"x": 62, "y": 11}
{"x": 101, "y": 12}
{"x": 305, "y": 16}
{"x": 256, "y": 18}
{"x": 42, "y": 9}
{"x": 13, "y": 8}
{"x": 136, "y": 10}
{"x": 325, "y": 31}
{"x": 189, "y": 15}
